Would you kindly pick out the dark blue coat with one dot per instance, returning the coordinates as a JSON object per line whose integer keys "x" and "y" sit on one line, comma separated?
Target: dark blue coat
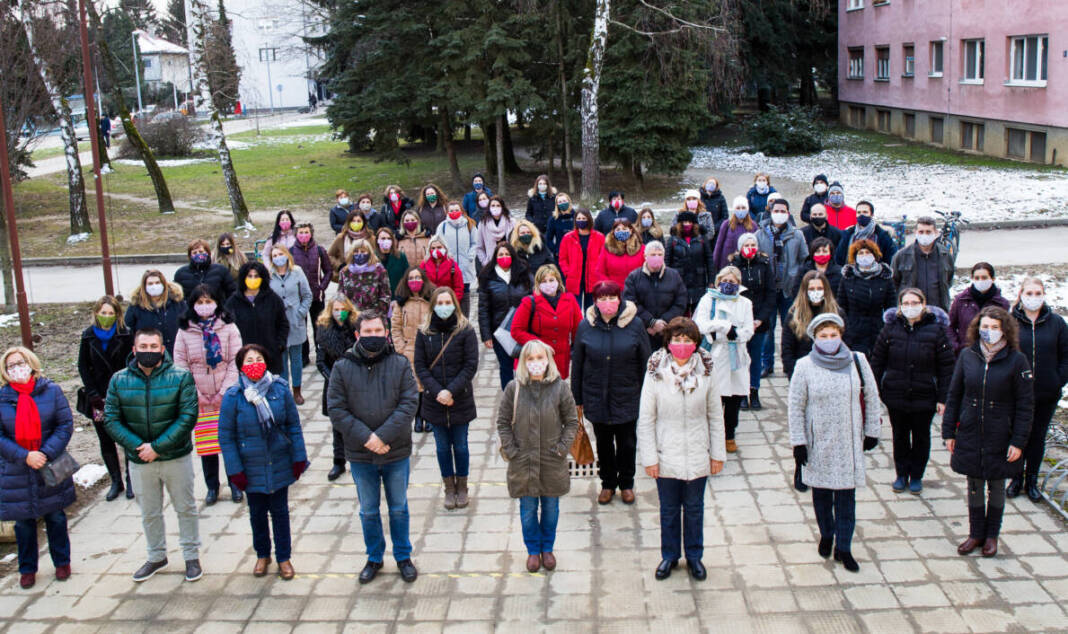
{"x": 163, "y": 319}
{"x": 267, "y": 462}
{"x": 883, "y": 240}
{"x": 560, "y": 224}
{"x": 23, "y": 494}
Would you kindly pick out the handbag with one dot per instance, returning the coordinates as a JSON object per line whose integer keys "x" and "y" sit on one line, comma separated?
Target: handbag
{"x": 863, "y": 405}
{"x": 581, "y": 448}
{"x": 55, "y": 472}
{"x": 503, "y": 334}
{"x": 442, "y": 351}
{"x": 82, "y": 404}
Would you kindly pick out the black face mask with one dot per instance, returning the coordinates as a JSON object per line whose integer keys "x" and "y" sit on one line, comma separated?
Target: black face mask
{"x": 372, "y": 345}
{"x": 148, "y": 359}
{"x": 818, "y": 222}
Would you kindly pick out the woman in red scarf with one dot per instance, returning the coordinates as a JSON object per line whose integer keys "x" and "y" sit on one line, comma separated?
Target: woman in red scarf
{"x": 35, "y": 427}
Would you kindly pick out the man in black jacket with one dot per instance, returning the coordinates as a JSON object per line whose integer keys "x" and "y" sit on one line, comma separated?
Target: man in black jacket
{"x": 372, "y": 399}
{"x": 818, "y": 227}
{"x": 616, "y": 209}
{"x": 658, "y": 291}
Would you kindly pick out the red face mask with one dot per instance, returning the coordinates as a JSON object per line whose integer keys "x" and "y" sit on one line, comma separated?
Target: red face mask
{"x": 749, "y": 252}
{"x": 505, "y": 262}
{"x": 608, "y": 307}
{"x": 617, "y": 203}
{"x": 254, "y": 371}
{"x": 455, "y": 214}
{"x": 822, "y": 258}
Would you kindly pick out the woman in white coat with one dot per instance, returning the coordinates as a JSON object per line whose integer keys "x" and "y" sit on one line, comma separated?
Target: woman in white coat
{"x": 725, "y": 318}
{"x": 680, "y": 441}
{"x": 460, "y": 234}
{"x": 834, "y": 418}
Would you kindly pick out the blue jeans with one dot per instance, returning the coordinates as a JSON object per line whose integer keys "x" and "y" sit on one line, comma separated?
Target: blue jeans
{"x": 539, "y": 534}
{"x": 277, "y": 504}
{"x": 393, "y": 477}
{"x": 682, "y": 512}
{"x": 454, "y": 459}
{"x": 836, "y": 514}
{"x": 782, "y": 306}
{"x": 755, "y": 346}
{"x": 58, "y": 541}
{"x": 504, "y": 361}
{"x": 292, "y": 365}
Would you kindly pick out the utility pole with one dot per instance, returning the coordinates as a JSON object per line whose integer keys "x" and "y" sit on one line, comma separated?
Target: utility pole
{"x": 267, "y": 52}
{"x": 13, "y": 234}
{"x": 137, "y": 72}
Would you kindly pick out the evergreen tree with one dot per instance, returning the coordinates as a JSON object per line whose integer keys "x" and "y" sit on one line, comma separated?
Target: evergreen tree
{"x": 175, "y": 29}
{"x": 223, "y": 73}
{"x": 142, "y": 13}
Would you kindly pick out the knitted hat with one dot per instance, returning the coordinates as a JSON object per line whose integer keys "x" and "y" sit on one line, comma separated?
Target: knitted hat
{"x": 823, "y": 318}
{"x": 836, "y": 186}
{"x": 687, "y": 216}
{"x": 691, "y": 193}
{"x": 819, "y": 177}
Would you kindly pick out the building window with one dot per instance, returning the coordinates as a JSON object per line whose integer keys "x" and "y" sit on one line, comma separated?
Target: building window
{"x": 909, "y": 52}
{"x": 973, "y": 61}
{"x": 883, "y": 119}
{"x": 937, "y": 124}
{"x": 1038, "y": 147}
{"x": 1017, "y": 143}
{"x": 268, "y": 54}
{"x": 936, "y": 59}
{"x": 882, "y": 63}
{"x": 855, "y": 4}
{"x": 1030, "y": 59}
{"x": 910, "y": 126}
{"x": 971, "y": 136}
{"x": 147, "y": 61}
{"x": 857, "y": 116}
{"x": 856, "y": 63}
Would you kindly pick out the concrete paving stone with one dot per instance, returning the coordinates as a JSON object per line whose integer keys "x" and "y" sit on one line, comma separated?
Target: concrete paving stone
{"x": 522, "y": 608}
{"x": 275, "y": 609}
{"x": 319, "y": 628}
{"x": 621, "y": 606}
{"x": 987, "y": 619}
{"x": 949, "y": 569}
{"x": 1022, "y": 544}
{"x": 1021, "y": 591}
{"x": 871, "y": 597}
{"x": 571, "y": 606}
{"x": 905, "y": 571}
{"x": 136, "y": 608}
{"x": 747, "y": 534}
{"x": 425, "y": 609}
{"x": 786, "y": 514}
{"x": 580, "y": 582}
{"x": 369, "y": 627}
{"x": 375, "y": 608}
{"x": 762, "y": 576}
{"x": 940, "y": 620}
{"x": 810, "y": 575}
{"x": 754, "y": 554}
{"x": 770, "y": 601}
{"x": 327, "y": 609}
{"x": 664, "y": 601}
{"x": 183, "y": 609}
{"x": 969, "y": 593}
{"x": 869, "y": 572}
{"x": 821, "y": 599}
{"x": 778, "y": 624}
{"x": 923, "y": 595}
{"x": 1048, "y": 617}
{"x": 1000, "y": 567}
{"x": 472, "y": 609}
{"x": 232, "y": 608}
{"x": 893, "y": 622}
{"x": 886, "y": 550}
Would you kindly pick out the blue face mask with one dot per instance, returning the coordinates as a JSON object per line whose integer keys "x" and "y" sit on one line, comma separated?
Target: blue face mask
{"x": 201, "y": 258}
{"x": 728, "y": 288}
{"x": 280, "y": 260}
{"x": 478, "y": 187}
{"x": 444, "y": 311}
{"x": 740, "y": 214}
{"x": 836, "y": 199}
{"x": 361, "y": 258}
{"x": 622, "y": 236}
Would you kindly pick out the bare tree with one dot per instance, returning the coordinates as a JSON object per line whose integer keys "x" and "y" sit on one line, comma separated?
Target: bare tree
{"x": 591, "y": 86}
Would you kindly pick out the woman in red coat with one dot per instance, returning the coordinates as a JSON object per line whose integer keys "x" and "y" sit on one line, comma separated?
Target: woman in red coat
{"x": 441, "y": 269}
{"x": 623, "y": 252}
{"x": 555, "y": 319}
{"x": 579, "y": 251}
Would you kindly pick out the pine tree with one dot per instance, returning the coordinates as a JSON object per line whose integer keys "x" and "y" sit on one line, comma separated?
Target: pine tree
{"x": 224, "y": 75}
{"x": 142, "y": 13}
{"x": 175, "y": 29}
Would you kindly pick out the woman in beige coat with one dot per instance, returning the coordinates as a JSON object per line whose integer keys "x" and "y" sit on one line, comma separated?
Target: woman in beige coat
{"x": 410, "y": 308}
{"x": 537, "y": 421}
{"x": 412, "y": 239}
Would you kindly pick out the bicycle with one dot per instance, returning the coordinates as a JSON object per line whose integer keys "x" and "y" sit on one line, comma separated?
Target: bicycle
{"x": 950, "y": 236}
{"x": 899, "y": 232}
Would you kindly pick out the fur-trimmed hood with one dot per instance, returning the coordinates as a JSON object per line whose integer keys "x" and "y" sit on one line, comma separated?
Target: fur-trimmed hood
{"x": 626, "y": 313}
{"x": 657, "y": 359}
{"x": 940, "y": 316}
{"x": 550, "y": 192}
{"x": 885, "y": 272}
{"x": 140, "y": 298}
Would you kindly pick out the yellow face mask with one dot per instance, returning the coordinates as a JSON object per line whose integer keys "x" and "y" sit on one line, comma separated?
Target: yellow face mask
{"x": 356, "y": 225}
{"x": 253, "y": 283}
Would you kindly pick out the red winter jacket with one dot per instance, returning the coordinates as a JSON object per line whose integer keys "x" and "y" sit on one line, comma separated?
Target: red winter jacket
{"x": 616, "y": 267}
{"x": 842, "y": 217}
{"x": 571, "y": 260}
{"x": 445, "y": 273}
{"x": 554, "y": 326}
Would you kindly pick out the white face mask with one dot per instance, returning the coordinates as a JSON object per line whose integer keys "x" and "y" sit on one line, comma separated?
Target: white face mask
{"x": 779, "y": 218}
{"x": 865, "y": 260}
{"x": 926, "y": 239}
{"x": 537, "y": 368}
{"x": 911, "y": 312}
{"x": 991, "y": 337}
{"x": 365, "y": 205}
{"x": 344, "y": 202}
{"x": 20, "y": 373}
{"x": 154, "y": 290}
{"x": 816, "y": 297}
{"x": 982, "y": 285}
{"x": 542, "y": 188}
{"x": 496, "y": 212}
{"x": 1032, "y": 302}
{"x": 820, "y": 188}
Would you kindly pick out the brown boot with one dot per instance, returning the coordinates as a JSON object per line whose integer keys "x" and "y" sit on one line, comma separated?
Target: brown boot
{"x": 461, "y": 492}
{"x": 285, "y": 571}
{"x": 533, "y": 563}
{"x": 627, "y": 495}
{"x": 606, "y": 496}
{"x": 450, "y": 493}
{"x": 548, "y": 560}
{"x": 261, "y": 567}
{"x": 990, "y": 547}
{"x": 297, "y": 396}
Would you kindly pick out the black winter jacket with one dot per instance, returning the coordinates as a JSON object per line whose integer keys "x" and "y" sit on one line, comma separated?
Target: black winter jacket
{"x": 338, "y": 216}
{"x": 215, "y": 275}
{"x": 792, "y": 348}
{"x": 913, "y": 364}
{"x": 810, "y": 200}
{"x": 163, "y": 319}
{"x": 693, "y": 260}
{"x": 539, "y": 258}
{"x": 989, "y": 408}
{"x": 829, "y": 231}
{"x": 496, "y": 297}
{"x": 833, "y": 275}
{"x": 331, "y": 344}
{"x": 540, "y": 209}
{"x": 656, "y": 296}
{"x": 455, "y": 371}
{"x": 759, "y": 282}
{"x": 386, "y": 217}
{"x": 96, "y": 365}
{"x": 1045, "y": 344}
{"x": 607, "y": 217}
{"x": 263, "y": 322}
{"x": 608, "y": 365}
{"x": 715, "y": 204}
{"x": 863, "y": 298}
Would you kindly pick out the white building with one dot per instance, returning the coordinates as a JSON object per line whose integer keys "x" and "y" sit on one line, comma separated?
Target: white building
{"x": 164, "y": 62}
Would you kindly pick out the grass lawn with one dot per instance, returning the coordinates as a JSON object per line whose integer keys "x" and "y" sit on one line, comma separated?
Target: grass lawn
{"x": 46, "y": 153}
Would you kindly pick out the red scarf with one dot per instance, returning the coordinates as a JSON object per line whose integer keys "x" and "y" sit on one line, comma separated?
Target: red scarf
{"x": 27, "y": 418}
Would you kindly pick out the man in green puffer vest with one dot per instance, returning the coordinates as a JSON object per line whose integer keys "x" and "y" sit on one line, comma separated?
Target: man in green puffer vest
{"x": 150, "y": 410}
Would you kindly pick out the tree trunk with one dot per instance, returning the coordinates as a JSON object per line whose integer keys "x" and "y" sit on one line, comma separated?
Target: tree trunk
{"x": 489, "y": 147}
{"x": 510, "y": 164}
{"x": 5, "y": 260}
{"x": 450, "y": 149}
{"x": 467, "y": 132}
{"x": 565, "y": 113}
{"x": 502, "y": 124}
{"x": 552, "y": 156}
{"x": 591, "y": 85}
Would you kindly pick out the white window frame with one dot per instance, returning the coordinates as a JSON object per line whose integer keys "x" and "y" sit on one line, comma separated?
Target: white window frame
{"x": 855, "y": 5}
{"x": 940, "y": 45}
{"x": 1018, "y": 46}
{"x": 855, "y": 70}
{"x": 269, "y": 52}
{"x": 882, "y": 66}
{"x": 975, "y": 73}
{"x": 909, "y": 61}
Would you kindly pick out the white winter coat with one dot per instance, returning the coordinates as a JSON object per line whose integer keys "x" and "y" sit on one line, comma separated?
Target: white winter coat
{"x": 680, "y": 431}
{"x": 739, "y": 314}
{"x": 462, "y": 242}
{"x": 824, "y": 414}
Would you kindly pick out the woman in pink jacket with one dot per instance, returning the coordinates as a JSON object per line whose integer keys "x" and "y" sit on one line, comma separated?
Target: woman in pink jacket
{"x": 206, "y": 344}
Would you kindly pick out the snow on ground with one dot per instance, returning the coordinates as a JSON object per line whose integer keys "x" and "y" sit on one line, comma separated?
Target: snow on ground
{"x": 303, "y": 123}
{"x": 1056, "y": 288}
{"x": 166, "y": 162}
{"x": 10, "y": 320}
{"x": 89, "y": 475}
{"x": 898, "y": 187}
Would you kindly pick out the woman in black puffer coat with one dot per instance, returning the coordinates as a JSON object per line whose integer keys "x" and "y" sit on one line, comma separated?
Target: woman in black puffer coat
{"x": 502, "y": 284}
{"x": 689, "y": 251}
{"x": 987, "y": 421}
{"x": 913, "y": 362}
{"x": 758, "y": 280}
{"x": 336, "y": 335}
{"x": 867, "y": 289}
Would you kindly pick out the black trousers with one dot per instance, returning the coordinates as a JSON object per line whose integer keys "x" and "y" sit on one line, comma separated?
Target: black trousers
{"x": 912, "y": 442}
{"x": 731, "y": 406}
{"x": 1036, "y": 442}
{"x": 313, "y": 313}
{"x": 616, "y": 447}
{"x": 339, "y": 449}
{"x": 210, "y": 465}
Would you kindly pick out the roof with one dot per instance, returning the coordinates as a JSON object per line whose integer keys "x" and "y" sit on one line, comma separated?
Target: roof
{"x": 151, "y": 45}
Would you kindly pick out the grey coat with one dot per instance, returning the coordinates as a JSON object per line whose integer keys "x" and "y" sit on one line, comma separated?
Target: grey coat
{"x": 824, "y": 414}
{"x": 295, "y": 292}
{"x": 536, "y": 431}
{"x": 794, "y": 248}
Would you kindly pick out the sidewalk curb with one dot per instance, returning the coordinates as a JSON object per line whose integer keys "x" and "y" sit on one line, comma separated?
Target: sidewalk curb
{"x": 94, "y": 260}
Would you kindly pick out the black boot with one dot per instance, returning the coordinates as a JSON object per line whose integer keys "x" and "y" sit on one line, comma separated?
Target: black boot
{"x": 976, "y": 530}
{"x": 754, "y": 399}
{"x": 745, "y": 403}
{"x": 112, "y": 464}
{"x": 1033, "y": 493}
{"x": 1015, "y": 485}
{"x": 335, "y": 472}
{"x": 993, "y": 528}
{"x": 419, "y": 428}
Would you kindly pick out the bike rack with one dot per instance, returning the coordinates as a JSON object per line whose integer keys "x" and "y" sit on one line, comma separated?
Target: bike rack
{"x": 1054, "y": 486}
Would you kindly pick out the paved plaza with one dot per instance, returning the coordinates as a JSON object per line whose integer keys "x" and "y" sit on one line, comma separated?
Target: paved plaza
{"x": 764, "y": 574}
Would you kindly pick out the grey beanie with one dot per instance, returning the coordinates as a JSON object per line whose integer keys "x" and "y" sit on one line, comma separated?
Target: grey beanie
{"x": 823, "y": 318}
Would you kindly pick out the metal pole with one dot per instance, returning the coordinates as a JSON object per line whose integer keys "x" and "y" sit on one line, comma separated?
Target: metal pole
{"x": 270, "y": 88}
{"x": 137, "y": 71}
{"x": 13, "y": 234}
{"x": 94, "y": 140}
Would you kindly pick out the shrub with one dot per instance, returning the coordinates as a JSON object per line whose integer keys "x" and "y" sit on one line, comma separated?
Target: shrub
{"x": 795, "y": 130}
{"x": 170, "y": 135}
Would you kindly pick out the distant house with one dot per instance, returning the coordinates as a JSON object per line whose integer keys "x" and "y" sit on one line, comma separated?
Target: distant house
{"x": 164, "y": 62}
{"x": 982, "y": 77}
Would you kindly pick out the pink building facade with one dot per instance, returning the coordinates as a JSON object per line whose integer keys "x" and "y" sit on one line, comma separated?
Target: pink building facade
{"x": 984, "y": 76}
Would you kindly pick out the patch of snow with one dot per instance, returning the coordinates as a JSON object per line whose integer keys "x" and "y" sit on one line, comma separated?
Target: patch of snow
{"x": 303, "y": 123}
{"x": 89, "y": 475}
{"x": 106, "y": 170}
{"x": 167, "y": 162}
{"x": 10, "y": 320}
{"x": 8, "y": 558}
{"x": 78, "y": 237}
{"x": 897, "y": 187}
{"x": 1056, "y": 288}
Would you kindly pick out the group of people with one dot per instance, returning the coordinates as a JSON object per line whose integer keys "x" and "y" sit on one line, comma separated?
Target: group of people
{"x": 658, "y": 338}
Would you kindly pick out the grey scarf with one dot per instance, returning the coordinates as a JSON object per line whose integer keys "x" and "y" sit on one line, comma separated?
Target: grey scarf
{"x": 837, "y": 362}
{"x": 256, "y": 393}
{"x": 863, "y": 233}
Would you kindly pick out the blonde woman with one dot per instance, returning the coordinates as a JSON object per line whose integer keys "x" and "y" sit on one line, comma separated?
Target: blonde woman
{"x": 537, "y": 421}
{"x": 228, "y": 254}
{"x": 814, "y": 297}
{"x": 156, "y": 303}
{"x": 355, "y": 229}
{"x": 291, "y": 285}
{"x": 528, "y": 245}
{"x": 364, "y": 280}
{"x": 648, "y": 228}
{"x": 336, "y": 329}
{"x": 412, "y": 239}
{"x": 410, "y": 308}
{"x": 561, "y": 222}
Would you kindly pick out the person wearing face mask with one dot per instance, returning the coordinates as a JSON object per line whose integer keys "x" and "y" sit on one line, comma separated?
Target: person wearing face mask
{"x": 694, "y": 202}
{"x": 459, "y": 233}
{"x": 206, "y": 346}
{"x": 228, "y": 255}
{"x": 561, "y": 223}
{"x": 648, "y": 228}
{"x": 150, "y": 410}
{"x": 105, "y": 346}
{"x": 372, "y": 398}
{"x": 493, "y": 229}
{"x": 817, "y": 197}
{"x": 579, "y": 252}
{"x": 814, "y": 297}
{"x": 502, "y": 285}
{"x": 335, "y": 328}
{"x": 715, "y": 203}
{"x": 725, "y": 319}
{"x": 314, "y": 260}
{"x": 528, "y": 245}
{"x": 446, "y": 362}
{"x": 758, "y": 196}
{"x": 35, "y": 427}
{"x": 821, "y": 258}
{"x": 788, "y": 250}
{"x": 284, "y": 234}
{"x": 623, "y": 252}
{"x": 356, "y": 229}
{"x": 689, "y": 251}
{"x": 442, "y": 270}
{"x": 431, "y": 207}
{"x": 156, "y": 303}
{"x": 818, "y": 227}
{"x": 536, "y": 424}
{"x": 394, "y": 206}
{"x": 867, "y": 229}
{"x": 839, "y": 214}
{"x": 834, "y": 418}
{"x": 1044, "y": 341}
{"x": 982, "y": 292}
{"x": 758, "y": 286}
{"x": 389, "y": 255}
{"x": 740, "y": 222}
{"x": 607, "y": 365}
{"x": 658, "y": 291}
{"x": 260, "y": 314}
{"x": 681, "y": 442}
{"x": 341, "y": 210}
{"x": 364, "y": 280}
{"x": 410, "y": 308}
{"x": 375, "y": 218}
{"x": 866, "y": 290}
{"x": 263, "y": 447}
{"x": 412, "y": 240}
{"x": 987, "y": 422}
{"x": 541, "y": 202}
{"x": 470, "y": 200}
{"x": 616, "y": 209}
{"x": 201, "y": 270}
{"x": 925, "y": 264}
{"x": 913, "y": 363}
{"x": 291, "y": 285}
{"x": 550, "y": 314}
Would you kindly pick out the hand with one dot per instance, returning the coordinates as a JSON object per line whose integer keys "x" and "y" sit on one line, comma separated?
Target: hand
{"x": 375, "y": 444}
{"x": 653, "y": 471}
{"x": 146, "y": 452}
{"x": 488, "y": 344}
{"x": 239, "y": 480}
{"x": 579, "y": 408}
{"x": 659, "y": 325}
{"x": 385, "y": 449}
{"x": 940, "y": 408}
{"x": 715, "y": 466}
{"x": 757, "y": 323}
{"x": 445, "y": 398}
{"x": 870, "y": 442}
{"x": 1014, "y": 454}
{"x": 951, "y": 444}
{"x": 36, "y": 459}
{"x": 299, "y": 468}
{"x": 801, "y": 454}
{"x": 651, "y": 330}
